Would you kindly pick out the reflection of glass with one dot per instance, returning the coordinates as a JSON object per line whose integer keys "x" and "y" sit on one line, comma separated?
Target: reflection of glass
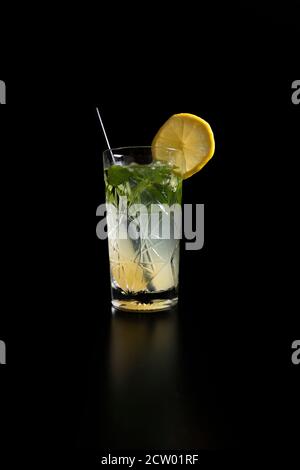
{"x": 144, "y": 263}
{"x": 150, "y": 341}
{"x": 157, "y": 382}
{"x": 142, "y": 379}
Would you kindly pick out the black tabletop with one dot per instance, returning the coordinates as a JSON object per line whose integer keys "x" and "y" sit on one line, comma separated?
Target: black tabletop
{"x": 158, "y": 381}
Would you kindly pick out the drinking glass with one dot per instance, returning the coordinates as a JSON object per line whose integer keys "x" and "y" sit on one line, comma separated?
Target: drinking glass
{"x": 143, "y": 201}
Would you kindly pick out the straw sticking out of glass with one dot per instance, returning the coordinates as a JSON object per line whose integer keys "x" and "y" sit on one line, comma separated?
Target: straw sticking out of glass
{"x": 105, "y": 136}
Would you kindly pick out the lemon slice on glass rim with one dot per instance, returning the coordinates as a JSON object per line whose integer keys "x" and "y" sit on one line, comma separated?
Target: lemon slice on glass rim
{"x": 192, "y": 139}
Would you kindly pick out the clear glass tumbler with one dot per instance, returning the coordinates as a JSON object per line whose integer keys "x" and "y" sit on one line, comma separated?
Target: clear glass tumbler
{"x": 143, "y": 199}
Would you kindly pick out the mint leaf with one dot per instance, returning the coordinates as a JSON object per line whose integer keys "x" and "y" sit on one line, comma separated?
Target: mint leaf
{"x": 145, "y": 184}
{"x": 117, "y": 175}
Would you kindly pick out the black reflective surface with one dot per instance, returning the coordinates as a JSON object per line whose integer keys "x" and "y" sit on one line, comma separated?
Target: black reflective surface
{"x": 159, "y": 381}
{"x": 186, "y": 380}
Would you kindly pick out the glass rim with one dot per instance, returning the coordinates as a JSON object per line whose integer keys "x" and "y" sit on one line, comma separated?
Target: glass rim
{"x": 135, "y": 147}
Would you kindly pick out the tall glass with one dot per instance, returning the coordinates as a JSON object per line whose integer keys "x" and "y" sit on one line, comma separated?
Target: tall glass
{"x": 143, "y": 198}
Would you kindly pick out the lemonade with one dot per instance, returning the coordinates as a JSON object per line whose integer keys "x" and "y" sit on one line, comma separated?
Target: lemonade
{"x": 143, "y": 193}
{"x": 144, "y": 271}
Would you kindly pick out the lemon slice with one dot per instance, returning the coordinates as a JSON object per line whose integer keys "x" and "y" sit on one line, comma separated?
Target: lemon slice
{"x": 192, "y": 139}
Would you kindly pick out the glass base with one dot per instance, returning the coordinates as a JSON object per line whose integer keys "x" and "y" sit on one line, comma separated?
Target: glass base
{"x": 144, "y": 302}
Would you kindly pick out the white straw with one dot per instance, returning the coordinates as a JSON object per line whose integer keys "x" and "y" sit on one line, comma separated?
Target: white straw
{"x": 105, "y": 135}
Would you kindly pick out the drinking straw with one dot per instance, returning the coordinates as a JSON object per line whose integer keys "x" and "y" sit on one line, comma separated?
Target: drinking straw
{"x": 105, "y": 135}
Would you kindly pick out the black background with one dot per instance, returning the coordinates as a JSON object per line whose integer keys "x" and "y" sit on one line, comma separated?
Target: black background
{"x": 217, "y": 373}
